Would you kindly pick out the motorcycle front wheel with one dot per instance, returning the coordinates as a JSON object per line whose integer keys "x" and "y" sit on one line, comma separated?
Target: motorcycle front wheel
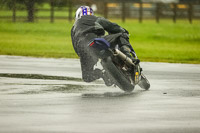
{"x": 144, "y": 83}
{"x": 117, "y": 75}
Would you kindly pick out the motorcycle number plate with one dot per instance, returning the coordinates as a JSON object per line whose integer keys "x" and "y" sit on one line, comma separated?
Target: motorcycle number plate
{"x": 136, "y": 77}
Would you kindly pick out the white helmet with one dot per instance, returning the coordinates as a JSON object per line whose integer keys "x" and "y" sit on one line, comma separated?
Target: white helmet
{"x": 83, "y": 10}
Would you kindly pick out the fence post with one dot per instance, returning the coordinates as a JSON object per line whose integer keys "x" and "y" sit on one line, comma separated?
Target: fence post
{"x": 105, "y": 10}
{"x": 190, "y": 12}
{"x": 140, "y": 11}
{"x": 52, "y": 11}
{"x": 158, "y": 10}
{"x": 70, "y": 10}
{"x": 175, "y": 12}
{"x": 123, "y": 11}
{"x": 14, "y": 11}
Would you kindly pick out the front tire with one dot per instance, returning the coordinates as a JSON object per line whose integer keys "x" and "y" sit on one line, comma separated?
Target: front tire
{"x": 144, "y": 83}
{"x": 117, "y": 75}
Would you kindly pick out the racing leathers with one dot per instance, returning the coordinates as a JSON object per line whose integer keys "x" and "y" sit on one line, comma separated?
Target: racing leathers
{"x": 86, "y": 29}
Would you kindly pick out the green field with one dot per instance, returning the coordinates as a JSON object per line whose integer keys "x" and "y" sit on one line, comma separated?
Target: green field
{"x": 163, "y": 42}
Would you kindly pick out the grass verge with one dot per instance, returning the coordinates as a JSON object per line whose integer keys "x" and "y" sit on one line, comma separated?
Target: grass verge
{"x": 163, "y": 42}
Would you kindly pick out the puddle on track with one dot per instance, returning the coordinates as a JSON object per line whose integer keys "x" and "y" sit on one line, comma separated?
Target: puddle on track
{"x": 37, "y": 84}
{"x": 38, "y": 76}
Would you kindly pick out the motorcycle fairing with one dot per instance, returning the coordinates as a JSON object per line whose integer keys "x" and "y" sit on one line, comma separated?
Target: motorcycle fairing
{"x": 100, "y": 44}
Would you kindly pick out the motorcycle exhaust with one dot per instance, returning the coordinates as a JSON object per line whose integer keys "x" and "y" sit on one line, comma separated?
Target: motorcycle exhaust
{"x": 122, "y": 56}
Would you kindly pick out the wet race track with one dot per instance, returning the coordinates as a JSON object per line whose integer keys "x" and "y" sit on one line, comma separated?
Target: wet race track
{"x": 48, "y": 95}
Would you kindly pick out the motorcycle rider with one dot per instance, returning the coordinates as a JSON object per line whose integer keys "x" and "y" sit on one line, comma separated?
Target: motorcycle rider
{"x": 86, "y": 28}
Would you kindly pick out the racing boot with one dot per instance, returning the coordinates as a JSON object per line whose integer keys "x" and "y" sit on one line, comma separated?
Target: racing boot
{"x": 98, "y": 73}
{"x": 106, "y": 79}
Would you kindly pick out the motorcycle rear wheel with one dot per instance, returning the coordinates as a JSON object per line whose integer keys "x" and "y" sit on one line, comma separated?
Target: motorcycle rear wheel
{"x": 117, "y": 75}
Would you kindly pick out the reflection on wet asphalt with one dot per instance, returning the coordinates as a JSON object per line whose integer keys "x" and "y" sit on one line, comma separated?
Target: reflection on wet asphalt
{"x": 38, "y": 76}
{"x": 23, "y": 85}
{"x": 48, "y": 95}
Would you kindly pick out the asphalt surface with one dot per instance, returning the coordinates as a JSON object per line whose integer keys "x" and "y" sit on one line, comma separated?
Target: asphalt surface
{"x": 48, "y": 95}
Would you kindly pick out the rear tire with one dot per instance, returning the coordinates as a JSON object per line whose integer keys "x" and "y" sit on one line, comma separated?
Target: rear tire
{"x": 117, "y": 75}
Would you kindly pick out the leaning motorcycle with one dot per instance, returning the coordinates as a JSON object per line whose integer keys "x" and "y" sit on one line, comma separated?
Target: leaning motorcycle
{"x": 119, "y": 70}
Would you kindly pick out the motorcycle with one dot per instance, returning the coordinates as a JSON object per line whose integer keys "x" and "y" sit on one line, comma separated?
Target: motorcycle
{"x": 118, "y": 69}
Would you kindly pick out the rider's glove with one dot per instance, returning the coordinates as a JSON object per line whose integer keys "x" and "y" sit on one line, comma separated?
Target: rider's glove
{"x": 136, "y": 61}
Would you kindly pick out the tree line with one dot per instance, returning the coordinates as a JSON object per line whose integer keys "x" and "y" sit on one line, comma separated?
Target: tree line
{"x": 30, "y": 5}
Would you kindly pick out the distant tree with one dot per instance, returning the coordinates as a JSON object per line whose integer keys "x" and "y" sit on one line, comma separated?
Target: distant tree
{"x": 28, "y": 4}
